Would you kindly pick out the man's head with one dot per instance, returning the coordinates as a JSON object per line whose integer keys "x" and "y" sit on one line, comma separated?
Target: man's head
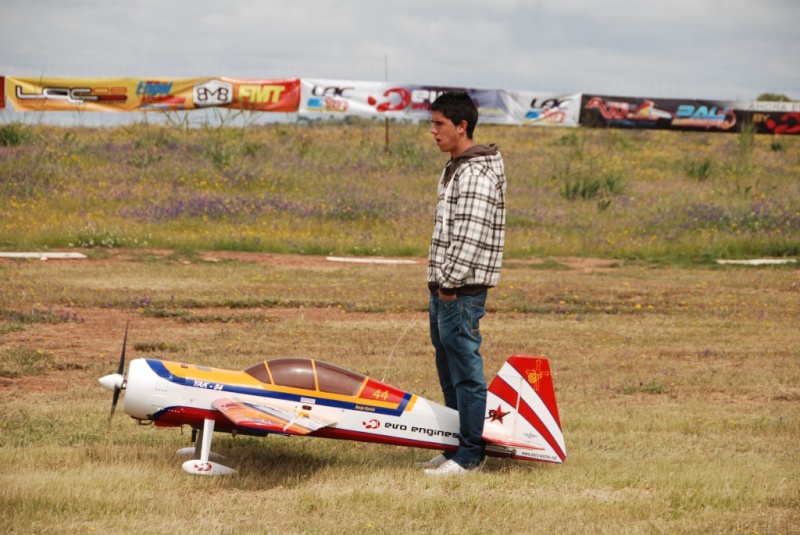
{"x": 453, "y": 118}
{"x": 457, "y": 106}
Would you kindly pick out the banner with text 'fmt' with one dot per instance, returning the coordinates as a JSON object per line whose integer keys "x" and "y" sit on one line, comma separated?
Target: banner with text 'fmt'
{"x": 151, "y": 94}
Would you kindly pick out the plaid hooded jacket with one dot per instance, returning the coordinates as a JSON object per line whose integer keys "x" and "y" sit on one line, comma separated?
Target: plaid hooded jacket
{"x": 466, "y": 249}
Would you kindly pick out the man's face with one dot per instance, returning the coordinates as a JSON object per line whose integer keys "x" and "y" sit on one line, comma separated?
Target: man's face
{"x": 445, "y": 133}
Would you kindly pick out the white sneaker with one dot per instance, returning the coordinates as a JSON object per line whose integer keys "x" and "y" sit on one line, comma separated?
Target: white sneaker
{"x": 436, "y": 462}
{"x": 449, "y": 468}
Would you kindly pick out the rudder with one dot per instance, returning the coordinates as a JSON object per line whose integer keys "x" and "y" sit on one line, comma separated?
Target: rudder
{"x": 522, "y": 413}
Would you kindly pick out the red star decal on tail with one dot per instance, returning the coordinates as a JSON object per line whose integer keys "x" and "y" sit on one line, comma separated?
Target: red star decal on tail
{"x": 497, "y": 414}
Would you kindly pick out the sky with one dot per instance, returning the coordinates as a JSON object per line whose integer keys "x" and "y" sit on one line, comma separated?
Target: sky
{"x": 712, "y": 49}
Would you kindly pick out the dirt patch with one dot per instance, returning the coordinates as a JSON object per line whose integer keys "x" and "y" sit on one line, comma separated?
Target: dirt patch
{"x": 94, "y": 341}
{"x": 86, "y": 349}
{"x": 572, "y": 262}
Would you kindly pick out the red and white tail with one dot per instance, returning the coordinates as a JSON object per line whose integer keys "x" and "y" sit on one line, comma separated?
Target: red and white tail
{"x": 522, "y": 419}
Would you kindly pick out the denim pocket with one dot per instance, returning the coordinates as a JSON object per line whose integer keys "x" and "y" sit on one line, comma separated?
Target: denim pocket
{"x": 477, "y": 310}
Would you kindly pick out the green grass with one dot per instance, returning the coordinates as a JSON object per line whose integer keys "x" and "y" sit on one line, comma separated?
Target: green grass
{"x": 336, "y": 189}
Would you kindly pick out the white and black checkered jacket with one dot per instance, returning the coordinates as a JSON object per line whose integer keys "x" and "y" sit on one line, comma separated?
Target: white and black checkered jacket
{"x": 467, "y": 244}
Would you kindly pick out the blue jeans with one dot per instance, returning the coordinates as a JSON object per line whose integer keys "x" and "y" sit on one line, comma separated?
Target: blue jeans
{"x": 456, "y": 337}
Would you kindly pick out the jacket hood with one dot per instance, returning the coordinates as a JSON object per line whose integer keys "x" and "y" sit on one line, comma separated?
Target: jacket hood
{"x": 475, "y": 151}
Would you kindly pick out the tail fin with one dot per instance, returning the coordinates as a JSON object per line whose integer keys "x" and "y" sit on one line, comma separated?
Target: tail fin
{"x": 522, "y": 420}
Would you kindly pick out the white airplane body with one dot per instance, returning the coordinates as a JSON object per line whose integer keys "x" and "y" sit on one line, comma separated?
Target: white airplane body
{"x": 298, "y": 396}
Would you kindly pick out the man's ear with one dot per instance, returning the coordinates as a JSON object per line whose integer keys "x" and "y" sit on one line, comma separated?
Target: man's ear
{"x": 461, "y": 127}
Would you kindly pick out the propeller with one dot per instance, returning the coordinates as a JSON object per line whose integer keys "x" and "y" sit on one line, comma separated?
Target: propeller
{"x": 116, "y": 381}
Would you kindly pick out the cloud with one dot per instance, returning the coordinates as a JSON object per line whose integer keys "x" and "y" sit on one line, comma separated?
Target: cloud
{"x": 729, "y": 49}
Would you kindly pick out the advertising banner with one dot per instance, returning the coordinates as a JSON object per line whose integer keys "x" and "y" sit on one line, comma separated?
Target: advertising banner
{"x": 282, "y": 95}
{"x": 692, "y": 115}
{"x": 771, "y": 117}
{"x": 495, "y": 106}
{"x": 399, "y": 101}
{"x": 706, "y": 115}
{"x": 547, "y": 109}
{"x": 263, "y": 95}
{"x": 162, "y": 94}
{"x": 674, "y": 114}
{"x": 70, "y": 94}
{"x": 323, "y": 98}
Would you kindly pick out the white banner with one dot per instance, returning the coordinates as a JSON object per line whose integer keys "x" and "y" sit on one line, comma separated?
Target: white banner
{"x": 547, "y": 109}
{"x": 326, "y": 98}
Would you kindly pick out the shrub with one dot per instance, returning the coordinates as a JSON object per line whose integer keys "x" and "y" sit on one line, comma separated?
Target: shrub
{"x": 591, "y": 188}
{"x": 699, "y": 170}
{"x": 14, "y": 134}
{"x": 778, "y": 145}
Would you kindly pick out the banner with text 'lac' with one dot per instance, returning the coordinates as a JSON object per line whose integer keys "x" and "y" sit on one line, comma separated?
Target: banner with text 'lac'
{"x": 547, "y": 109}
{"x": 151, "y": 94}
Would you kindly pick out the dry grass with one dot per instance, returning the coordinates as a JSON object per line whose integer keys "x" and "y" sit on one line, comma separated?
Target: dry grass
{"x": 678, "y": 390}
{"x": 678, "y": 380}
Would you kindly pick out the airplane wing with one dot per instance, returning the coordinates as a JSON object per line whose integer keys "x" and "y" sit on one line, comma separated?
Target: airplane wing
{"x": 260, "y": 417}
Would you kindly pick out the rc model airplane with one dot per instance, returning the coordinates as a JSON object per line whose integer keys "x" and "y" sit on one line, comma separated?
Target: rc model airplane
{"x": 302, "y": 396}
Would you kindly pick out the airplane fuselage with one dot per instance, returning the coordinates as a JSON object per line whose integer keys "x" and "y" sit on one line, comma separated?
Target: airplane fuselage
{"x": 174, "y": 394}
{"x": 307, "y": 397}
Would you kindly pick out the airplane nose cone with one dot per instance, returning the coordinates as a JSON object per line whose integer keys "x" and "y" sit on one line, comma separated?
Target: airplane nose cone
{"x": 112, "y": 382}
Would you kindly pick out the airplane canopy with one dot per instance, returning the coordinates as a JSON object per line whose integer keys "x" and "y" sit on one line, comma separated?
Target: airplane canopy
{"x": 308, "y": 374}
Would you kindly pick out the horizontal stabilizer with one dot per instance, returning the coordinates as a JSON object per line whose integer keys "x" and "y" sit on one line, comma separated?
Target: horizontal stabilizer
{"x": 500, "y": 440}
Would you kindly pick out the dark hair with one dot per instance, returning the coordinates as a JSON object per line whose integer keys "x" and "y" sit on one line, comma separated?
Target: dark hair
{"x": 457, "y": 106}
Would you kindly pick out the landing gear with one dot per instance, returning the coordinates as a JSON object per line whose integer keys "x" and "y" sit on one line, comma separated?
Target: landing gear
{"x": 201, "y": 464}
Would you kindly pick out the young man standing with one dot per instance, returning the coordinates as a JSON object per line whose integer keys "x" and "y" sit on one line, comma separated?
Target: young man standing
{"x": 464, "y": 261}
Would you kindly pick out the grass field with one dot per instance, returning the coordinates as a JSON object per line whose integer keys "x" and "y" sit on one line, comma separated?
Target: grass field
{"x": 678, "y": 391}
{"x": 678, "y": 379}
{"x": 339, "y": 189}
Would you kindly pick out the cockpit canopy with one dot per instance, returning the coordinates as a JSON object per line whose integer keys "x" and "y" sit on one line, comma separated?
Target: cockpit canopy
{"x": 308, "y": 374}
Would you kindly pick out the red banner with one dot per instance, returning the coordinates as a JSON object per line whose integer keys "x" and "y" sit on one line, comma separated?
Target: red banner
{"x": 266, "y": 95}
